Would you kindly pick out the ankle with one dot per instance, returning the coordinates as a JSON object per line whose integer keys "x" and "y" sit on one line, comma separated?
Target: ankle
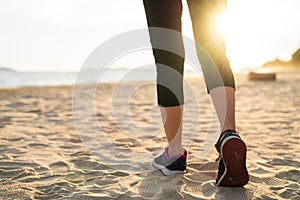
{"x": 175, "y": 150}
{"x": 225, "y": 128}
{"x": 228, "y": 129}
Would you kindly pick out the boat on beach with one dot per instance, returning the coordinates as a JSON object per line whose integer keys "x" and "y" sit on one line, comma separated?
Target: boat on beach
{"x": 262, "y": 76}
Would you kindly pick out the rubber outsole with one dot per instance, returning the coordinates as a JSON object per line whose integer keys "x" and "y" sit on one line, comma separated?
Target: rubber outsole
{"x": 233, "y": 153}
{"x": 166, "y": 171}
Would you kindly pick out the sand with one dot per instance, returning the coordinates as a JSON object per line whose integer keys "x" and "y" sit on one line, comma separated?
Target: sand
{"x": 44, "y": 157}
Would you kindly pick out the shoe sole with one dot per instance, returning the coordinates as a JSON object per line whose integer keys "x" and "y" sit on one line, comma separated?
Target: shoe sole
{"x": 166, "y": 171}
{"x": 233, "y": 152}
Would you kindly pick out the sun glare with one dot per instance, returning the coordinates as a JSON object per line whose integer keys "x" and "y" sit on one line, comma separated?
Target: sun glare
{"x": 224, "y": 26}
{"x": 255, "y": 32}
{"x": 231, "y": 27}
{"x": 221, "y": 23}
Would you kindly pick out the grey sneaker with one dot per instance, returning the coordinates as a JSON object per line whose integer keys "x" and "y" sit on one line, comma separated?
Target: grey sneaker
{"x": 170, "y": 165}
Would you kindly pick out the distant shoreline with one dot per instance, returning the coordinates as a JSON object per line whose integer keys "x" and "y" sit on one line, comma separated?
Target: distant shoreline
{"x": 293, "y": 63}
{"x": 58, "y": 79}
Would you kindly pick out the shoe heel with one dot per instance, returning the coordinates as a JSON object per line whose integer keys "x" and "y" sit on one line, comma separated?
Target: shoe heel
{"x": 233, "y": 153}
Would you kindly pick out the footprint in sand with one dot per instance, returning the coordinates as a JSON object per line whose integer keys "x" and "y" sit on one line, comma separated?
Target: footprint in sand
{"x": 59, "y": 167}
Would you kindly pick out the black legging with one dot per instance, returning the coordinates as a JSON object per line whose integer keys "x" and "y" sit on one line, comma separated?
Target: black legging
{"x": 167, "y": 14}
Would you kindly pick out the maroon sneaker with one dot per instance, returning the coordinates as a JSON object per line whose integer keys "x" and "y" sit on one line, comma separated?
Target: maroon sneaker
{"x": 232, "y": 171}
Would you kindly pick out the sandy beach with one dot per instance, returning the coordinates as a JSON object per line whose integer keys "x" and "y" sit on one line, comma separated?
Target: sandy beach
{"x": 44, "y": 157}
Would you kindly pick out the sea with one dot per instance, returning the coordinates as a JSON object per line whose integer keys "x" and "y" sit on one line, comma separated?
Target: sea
{"x": 15, "y": 79}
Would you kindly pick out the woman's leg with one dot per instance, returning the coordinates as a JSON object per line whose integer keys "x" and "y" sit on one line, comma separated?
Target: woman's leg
{"x": 218, "y": 75}
{"x": 232, "y": 170}
{"x": 224, "y": 102}
{"x": 172, "y": 117}
{"x": 167, "y": 14}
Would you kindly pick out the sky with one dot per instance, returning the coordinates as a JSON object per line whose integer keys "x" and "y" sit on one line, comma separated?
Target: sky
{"x": 58, "y": 35}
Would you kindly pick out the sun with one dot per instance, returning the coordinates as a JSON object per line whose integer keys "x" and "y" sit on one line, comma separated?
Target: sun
{"x": 221, "y": 23}
{"x": 243, "y": 32}
{"x": 229, "y": 26}
{"x": 254, "y": 32}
